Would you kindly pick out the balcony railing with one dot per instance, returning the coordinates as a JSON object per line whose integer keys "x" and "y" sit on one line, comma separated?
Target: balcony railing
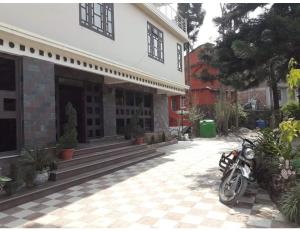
{"x": 172, "y": 14}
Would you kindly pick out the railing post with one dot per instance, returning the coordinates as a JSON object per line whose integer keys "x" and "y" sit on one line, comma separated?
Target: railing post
{"x": 173, "y": 15}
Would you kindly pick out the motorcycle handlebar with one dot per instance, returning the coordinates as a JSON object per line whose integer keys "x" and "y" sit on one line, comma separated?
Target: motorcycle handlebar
{"x": 245, "y": 139}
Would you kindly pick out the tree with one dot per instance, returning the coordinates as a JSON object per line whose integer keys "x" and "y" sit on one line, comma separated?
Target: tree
{"x": 203, "y": 68}
{"x": 194, "y": 14}
{"x": 252, "y": 50}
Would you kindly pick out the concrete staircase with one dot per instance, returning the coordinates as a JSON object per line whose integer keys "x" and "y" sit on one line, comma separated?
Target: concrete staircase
{"x": 88, "y": 163}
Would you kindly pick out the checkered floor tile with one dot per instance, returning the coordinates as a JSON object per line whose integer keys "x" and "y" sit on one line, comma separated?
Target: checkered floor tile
{"x": 178, "y": 190}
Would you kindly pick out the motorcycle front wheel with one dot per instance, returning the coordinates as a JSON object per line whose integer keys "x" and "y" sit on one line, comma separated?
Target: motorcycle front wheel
{"x": 231, "y": 191}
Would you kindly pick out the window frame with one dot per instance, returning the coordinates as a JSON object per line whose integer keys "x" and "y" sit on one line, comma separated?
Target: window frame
{"x": 179, "y": 57}
{"x": 155, "y": 34}
{"x": 89, "y": 21}
{"x": 182, "y": 103}
{"x": 173, "y": 103}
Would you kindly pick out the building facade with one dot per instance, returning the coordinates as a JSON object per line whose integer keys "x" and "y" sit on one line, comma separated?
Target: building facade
{"x": 108, "y": 60}
{"x": 261, "y": 97}
{"x": 201, "y": 93}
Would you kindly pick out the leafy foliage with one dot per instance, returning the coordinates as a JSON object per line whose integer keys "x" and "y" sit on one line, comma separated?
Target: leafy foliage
{"x": 253, "y": 50}
{"x": 194, "y": 116}
{"x": 268, "y": 143}
{"x": 243, "y": 50}
{"x": 194, "y": 14}
{"x": 293, "y": 76}
{"x": 205, "y": 68}
{"x": 223, "y": 111}
{"x": 135, "y": 129}
{"x": 290, "y": 204}
{"x": 291, "y": 110}
{"x": 69, "y": 138}
{"x": 289, "y": 129}
{"x": 38, "y": 158}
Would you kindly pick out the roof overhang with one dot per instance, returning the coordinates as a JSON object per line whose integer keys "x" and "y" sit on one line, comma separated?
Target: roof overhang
{"x": 36, "y": 46}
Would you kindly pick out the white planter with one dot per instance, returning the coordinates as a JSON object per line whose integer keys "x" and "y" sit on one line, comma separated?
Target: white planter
{"x": 41, "y": 177}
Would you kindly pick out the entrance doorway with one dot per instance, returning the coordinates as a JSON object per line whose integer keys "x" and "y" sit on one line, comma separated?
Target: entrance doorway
{"x": 9, "y": 120}
{"x": 74, "y": 95}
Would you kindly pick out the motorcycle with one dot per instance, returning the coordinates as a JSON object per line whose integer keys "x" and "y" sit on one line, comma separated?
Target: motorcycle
{"x": 238, "y": 170}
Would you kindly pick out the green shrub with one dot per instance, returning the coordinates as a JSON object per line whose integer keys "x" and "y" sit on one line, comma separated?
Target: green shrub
{"x": 38, "y": 158}
{"x": 268, "y": 143}
{"x": 289, "y": 204}
{"x": 291, "y": 110}
{"x": 296, "y": 164}
{"x": 224, "y": 111}
{"x": 69, "y": 138}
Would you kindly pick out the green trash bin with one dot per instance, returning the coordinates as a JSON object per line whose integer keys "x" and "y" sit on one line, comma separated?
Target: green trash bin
{"x": 207, "y": 129}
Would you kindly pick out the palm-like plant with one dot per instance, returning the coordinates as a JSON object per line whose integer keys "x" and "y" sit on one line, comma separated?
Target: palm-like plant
{"x": 290, "y": 204}
{"x": 38, "y": 158}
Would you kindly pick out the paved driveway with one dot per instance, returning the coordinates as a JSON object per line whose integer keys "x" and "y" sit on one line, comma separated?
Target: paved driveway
{"x": 178, "y": 190}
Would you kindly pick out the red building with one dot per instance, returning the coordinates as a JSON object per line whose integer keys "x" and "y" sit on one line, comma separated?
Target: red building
{"x": 201, "y": 92}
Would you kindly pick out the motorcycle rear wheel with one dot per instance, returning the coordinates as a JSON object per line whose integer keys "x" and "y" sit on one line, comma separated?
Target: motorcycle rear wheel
{"x": 230, "y": 196}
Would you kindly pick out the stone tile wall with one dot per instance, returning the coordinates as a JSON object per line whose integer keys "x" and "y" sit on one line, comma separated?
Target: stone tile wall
{"x": 38, "y": 102}
{"x": 161, "y": 114}
{"x": 109, "y": 111}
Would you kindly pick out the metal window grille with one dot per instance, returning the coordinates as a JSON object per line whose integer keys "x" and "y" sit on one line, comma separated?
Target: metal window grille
{"x": 98, "y": 17}
{"x": 155, "y": 43}
{"x": 179, "y": 57}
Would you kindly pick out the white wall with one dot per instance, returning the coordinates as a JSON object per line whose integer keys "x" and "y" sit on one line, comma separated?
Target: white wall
{"x": 60, "y": 22}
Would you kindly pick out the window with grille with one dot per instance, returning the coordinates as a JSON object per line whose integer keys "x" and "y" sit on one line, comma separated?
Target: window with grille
{"x": 98, "y": 17}
{"x": 179, "y": 57}
{"x": 155, "y": 43}
{"x": 173, "y": 103}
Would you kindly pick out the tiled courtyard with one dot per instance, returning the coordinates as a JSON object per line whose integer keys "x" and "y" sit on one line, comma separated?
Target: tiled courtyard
{"x": 177, "y": 190}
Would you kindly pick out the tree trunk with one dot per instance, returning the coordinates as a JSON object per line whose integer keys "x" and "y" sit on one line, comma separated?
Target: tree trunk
{"x": 275, "y": 94}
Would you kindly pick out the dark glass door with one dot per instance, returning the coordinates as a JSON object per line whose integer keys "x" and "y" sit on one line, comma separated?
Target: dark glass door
{"x": 94, "y": 112}
{"x": 8, "y": 105}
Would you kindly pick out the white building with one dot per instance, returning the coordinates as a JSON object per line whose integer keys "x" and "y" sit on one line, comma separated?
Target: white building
{"x": 106, "y": 59}
{"x": 261, "y": 97}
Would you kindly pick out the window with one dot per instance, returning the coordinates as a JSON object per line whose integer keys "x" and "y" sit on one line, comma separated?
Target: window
{"x": 173, "y": 104}
{"x": 155, "y": 43}
{"x": 98, "y": 17}
{"x": 182, "y": 102}
{"x": 129, "y": 99}
{"x": 7, "y": 73}
{"x": 179, "y": 57}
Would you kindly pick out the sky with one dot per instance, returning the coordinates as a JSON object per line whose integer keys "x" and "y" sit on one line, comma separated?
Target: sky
{"x": 208, "y": 31}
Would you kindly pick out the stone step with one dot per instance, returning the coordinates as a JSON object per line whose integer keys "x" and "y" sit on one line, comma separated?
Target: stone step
{"x": 79, "y": 159}
{"x": 107, "y": 138}
{"x": 53, "y": 187}
{"x": 101, "y": 163}
{"x": 101, "y": 147}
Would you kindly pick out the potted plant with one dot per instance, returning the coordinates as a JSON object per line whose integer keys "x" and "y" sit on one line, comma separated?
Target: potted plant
{"x": 3, "y": 181}
{"x": 139, "y": 135}
{"x": 20, "y": 175}
{"x": 68, "y": 140}
{"x": 38, "y": 160}
{"x": 127, "y": 132}
{"x": 136, "y": 131}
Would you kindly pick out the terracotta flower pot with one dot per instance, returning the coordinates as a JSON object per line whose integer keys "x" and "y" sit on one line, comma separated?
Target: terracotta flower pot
{"x": 67, "y": 154}
{"x": 139, "y": 140}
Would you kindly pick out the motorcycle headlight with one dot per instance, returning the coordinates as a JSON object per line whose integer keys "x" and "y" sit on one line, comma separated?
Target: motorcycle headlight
{"x": 249, "y": 153}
